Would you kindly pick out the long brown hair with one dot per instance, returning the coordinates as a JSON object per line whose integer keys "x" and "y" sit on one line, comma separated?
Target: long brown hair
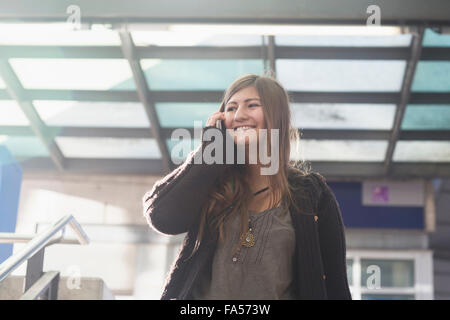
{"x": 231, "y": 188}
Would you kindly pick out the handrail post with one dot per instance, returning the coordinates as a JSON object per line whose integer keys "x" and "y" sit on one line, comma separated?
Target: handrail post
{"x": 45, "y": 288}
{"x": 35, "y": 266}
{"x": 52, "y": 292}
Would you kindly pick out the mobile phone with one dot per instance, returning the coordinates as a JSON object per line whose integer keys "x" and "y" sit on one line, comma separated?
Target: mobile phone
{"x": 220, "y": 124}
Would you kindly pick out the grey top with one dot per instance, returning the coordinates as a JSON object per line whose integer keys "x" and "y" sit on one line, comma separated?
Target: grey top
{"x": 261, "y": 272}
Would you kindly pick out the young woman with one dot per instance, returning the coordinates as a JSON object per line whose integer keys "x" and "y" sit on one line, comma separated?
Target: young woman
{"x": 250, "y": 235}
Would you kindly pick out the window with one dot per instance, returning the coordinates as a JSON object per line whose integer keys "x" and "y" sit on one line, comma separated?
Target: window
{"x": 199, "y": 74}
{"x": 11, "y": 114}
{"x": 341, "y": 75}
{"x": 339, "y": 150}
{"x": 343, "y": 116}
{"x": 399, "y": 40}
{"x": 183, "y": 115}
{"x": 76, "y": 74}
{"x": 390, "y": 275}
{"x": 24, "y": 147}
{"x": 422, "y": 151}
{"x": 92, "y": 114}
{"x": 108, "y": 148}
{"x": 426, "y": 117}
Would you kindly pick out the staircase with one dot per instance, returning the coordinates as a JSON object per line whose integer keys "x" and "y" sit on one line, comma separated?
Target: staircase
{"x": 40, "y": 285}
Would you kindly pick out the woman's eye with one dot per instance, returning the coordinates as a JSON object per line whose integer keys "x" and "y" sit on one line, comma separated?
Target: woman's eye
{"x": 253, "y": 105}
{"x": 231, "y": 108}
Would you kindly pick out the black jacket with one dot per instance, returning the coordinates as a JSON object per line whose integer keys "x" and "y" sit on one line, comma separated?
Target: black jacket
{"x": 173, "y": 207}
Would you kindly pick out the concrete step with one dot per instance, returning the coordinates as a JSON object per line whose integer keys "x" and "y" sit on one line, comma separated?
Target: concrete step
{"x": 11, "y": 288}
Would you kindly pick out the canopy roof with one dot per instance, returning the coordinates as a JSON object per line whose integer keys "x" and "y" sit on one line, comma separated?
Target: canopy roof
{"x": 368, "y": 101}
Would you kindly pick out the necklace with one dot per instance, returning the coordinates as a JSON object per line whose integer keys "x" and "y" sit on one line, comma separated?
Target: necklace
{"x": 248, "y": 239}
{"x": 260, "y": 191}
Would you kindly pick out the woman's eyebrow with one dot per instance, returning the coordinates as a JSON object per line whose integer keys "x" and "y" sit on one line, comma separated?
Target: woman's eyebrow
{"x": 246, "y": 100}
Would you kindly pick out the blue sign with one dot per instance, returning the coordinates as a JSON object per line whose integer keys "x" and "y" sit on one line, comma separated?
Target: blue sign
{"x": 10, "y": 183}
{"x": 357, "y": 215}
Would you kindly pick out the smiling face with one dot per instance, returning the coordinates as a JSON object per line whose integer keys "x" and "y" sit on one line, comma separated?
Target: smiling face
{"x": 244, "y": 113}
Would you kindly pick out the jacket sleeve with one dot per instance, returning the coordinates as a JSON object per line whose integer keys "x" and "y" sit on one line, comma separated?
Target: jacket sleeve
{"x": 332, "y": 245}
{"x": 175, "y": 202}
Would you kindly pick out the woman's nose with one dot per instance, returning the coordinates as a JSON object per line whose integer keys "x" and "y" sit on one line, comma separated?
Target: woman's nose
{"x": 240, "y": 114}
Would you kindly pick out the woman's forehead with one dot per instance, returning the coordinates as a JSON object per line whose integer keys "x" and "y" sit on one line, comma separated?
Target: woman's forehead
{"x": 245, "y": 95}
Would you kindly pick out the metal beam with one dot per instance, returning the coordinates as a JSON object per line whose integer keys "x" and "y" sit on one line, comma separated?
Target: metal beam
{"x": 96, "y": 166}
{"x": 399, "y": 12}
{"x": 363, "y": 170}
{"x": 114, "y": 52}
{"x": 146, "y": 99}
{"x": 416, "y": 48}
{"x": 16, "y": 91}
{"x": 216, "y": 52}
{"x": 346, "y": 53}
{"x": 166, "y": 133}
{"x": 338, "y": 134}
{"x": 137, "y": 133}
{"x": 333, "y": 170}
{"x": 272, "y": 55}
{"x": 429, "y": 98}
{"x": 60, "y": 52}
{"x": 216, "y": 96}
{"x": 345, "y": 97}
{"x": 436, "y": 54}
{"x": 199, "y": 52}
{"x": 83, "y": 95}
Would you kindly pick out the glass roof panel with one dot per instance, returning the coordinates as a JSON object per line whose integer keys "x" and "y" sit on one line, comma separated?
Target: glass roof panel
{"x": 92, "y": 114}
{"x": 341, "y": 75}
{"x": 183, "y": 115}
{"x": 179, "y": 38}
{"x": 432, "y": 76}
{"x": 343, "y": 116}
{"x": 426, "y": 117}
{"x": 284, "y": 29}
{"x": 11, "y": 114}
{"x": 56, "y": 34}
{"x": 401, "y": 40}
{"x": 76, "y": 74}
{"x": 339, "y": 150}
{"x": 433, "y": 39}
{"x": 423, "y": 151}
{"x": 108, "y": 148}
{"x": 196, "y": 74}
{"x": 24, "y": 147}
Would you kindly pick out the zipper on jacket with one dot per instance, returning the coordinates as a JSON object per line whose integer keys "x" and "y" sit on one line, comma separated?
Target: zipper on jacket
{"x": 322, "y": 271}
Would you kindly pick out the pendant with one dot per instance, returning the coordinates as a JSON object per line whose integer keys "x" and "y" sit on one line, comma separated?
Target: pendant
{"x": 248, "y": 240}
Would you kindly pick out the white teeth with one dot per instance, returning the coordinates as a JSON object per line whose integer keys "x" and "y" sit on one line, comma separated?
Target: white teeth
{"x": 243, "y": 128}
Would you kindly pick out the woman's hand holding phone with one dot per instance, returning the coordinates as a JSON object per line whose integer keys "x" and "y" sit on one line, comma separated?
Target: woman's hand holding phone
{"x": 213, "y": 120}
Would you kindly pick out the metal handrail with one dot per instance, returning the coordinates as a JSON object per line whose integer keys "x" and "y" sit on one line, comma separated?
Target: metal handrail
{"x": 7, "y": 237}
{"x": 38, "y": 242}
